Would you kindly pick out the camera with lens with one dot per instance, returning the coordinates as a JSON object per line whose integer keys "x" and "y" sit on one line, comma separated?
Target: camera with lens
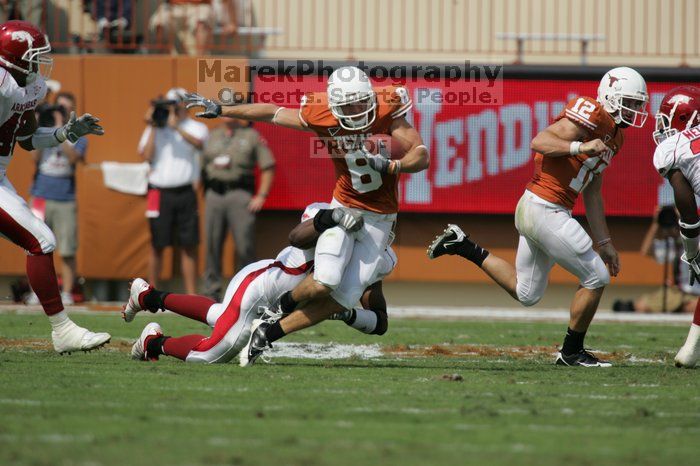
{"x": 46, "y": 115}
{"x": 161, "y": 111}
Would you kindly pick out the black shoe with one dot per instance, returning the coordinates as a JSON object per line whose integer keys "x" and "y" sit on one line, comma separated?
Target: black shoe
{"x": 257, "y": 344}
{"x": 450, "y": 241}
{"x": 582, "y": 358}
{"x": 346, "y": 316}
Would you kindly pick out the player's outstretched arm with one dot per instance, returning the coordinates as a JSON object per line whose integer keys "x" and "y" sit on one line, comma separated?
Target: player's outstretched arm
{"x": 595, "y": 214}
{"x": 416, "y": 158}
{"x": 270, "y": 113}
{"x": 42, "y": 138}
{"x": 563, "y": 138}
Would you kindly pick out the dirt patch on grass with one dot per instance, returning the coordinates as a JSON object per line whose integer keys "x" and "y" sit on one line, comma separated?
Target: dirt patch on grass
{"x": 41, "y": 344}
{"x": 486, "y": 351}
{"x": 36, "y": 344}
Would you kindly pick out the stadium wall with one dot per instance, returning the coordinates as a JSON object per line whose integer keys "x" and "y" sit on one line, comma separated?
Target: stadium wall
{"x": 113, "y": 230}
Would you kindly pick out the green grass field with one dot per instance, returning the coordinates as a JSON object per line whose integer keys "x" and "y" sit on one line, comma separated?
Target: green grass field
{"x": 512, "y": 406}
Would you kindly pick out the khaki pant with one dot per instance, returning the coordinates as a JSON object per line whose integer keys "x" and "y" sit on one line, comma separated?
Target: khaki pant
{"x": 221, "y": 213}
{"x": 61, "y": 217}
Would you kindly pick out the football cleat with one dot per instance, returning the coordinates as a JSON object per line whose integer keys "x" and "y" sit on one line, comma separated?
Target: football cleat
{"x": 582, "y": 358}
{"x": 70, "y": 337}
{"x": 137, "y": 289}
{"x": 139, "y": 349}
{"x": 256, "y": 345}
{"x": 689, "y": 354}
{"x": 345, "y": 315}
{"x": 449, "y": 241}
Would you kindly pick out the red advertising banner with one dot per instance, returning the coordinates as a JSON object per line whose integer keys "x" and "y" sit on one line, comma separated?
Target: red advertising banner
{"x": 480, "y": 153}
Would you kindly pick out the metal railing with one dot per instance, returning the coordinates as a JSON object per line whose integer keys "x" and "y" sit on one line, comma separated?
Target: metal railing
{"x": 653, "y": 31}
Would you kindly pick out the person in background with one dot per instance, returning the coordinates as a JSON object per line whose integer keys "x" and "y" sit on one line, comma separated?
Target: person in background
{"x": 189, "y": 24}
{"x": 662, "y": 243}
{"x": 171, "y": 143}
{"x": 28, "y": 10}
{"x": 53, "y": 190}
{"x": 229, "y": 159}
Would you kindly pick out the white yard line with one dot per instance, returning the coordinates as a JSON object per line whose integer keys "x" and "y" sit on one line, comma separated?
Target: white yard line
{"x": 522, "y": 314}
{"x": 446, "y": 312}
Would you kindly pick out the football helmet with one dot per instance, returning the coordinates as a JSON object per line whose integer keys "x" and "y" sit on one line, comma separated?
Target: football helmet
{"x": 351, "y": 98}
{"x": 623, "y": 94}
{"x": 24, "y": 48}
{"x": 679, "y": 110}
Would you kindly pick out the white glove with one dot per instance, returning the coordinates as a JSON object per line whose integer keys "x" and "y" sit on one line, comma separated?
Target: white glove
{"x": 211, "y": 108}
{"x": 79, "y": 127}
{"x": 349, "y": 219}
{"x": 693, "y": 266}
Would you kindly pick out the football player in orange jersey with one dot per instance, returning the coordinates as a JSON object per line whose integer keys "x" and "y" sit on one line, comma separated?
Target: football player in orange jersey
{"x": 350, "y": 111}
{"x": 571, "y": 155}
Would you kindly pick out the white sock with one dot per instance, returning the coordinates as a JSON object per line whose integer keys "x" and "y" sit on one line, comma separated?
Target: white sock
{"x": 59, "y": 320}
{"x": 365, "y": 321}
{"x": 693, "y": 335}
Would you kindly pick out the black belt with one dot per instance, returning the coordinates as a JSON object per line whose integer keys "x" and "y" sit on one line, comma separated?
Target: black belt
{"x": 222, "y": 187}
{"x": 176, "y": 189}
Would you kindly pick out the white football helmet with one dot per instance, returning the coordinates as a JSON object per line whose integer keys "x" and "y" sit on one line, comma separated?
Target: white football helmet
{"x": 351, "y": 98}
{"x": 623, "y": 94}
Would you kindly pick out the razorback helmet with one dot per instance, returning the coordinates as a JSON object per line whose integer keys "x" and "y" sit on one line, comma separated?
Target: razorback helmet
{"x": 24, "y": 48}
{"x": 623, "y": 94}
{"x": 351, "y": 98}
{"x": 679, "y": 110}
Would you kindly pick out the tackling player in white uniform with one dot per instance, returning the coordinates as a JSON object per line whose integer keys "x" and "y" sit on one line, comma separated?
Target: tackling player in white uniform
{"x": 252, "y": 293}
{"x": 677, "y": 158}
{"x": 24, "y": 64}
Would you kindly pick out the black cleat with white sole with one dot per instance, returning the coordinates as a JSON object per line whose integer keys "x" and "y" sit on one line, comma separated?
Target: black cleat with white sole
{"x": 451, "y": 241}
{"x": 583, "y": 358}
{"x": 257, "y": 345}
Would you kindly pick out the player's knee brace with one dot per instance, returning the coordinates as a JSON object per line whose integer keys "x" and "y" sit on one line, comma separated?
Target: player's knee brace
{"x": 529, "y": 300}
{"x": 599, "y": 276}
{"x": 45, "y": 241}
{"x": 527, "y": 296}
{"x": 330, "y": 263}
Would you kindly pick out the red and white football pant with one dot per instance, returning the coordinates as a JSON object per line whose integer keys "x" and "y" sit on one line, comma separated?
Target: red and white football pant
{"x": 231, "y": 320}
{"x": 19, "y": 225}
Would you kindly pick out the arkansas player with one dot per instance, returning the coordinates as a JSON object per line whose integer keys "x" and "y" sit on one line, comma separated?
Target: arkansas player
{"x": 350, "y": 111}
{"x": 24, "y": 64}
{"x": 571, "y": 155}
{"x": 676, "y": 159}
{"x": 253, "y": 291}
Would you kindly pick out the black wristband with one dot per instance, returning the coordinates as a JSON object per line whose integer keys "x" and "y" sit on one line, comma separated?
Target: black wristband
{"x": 324, "y": 220}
